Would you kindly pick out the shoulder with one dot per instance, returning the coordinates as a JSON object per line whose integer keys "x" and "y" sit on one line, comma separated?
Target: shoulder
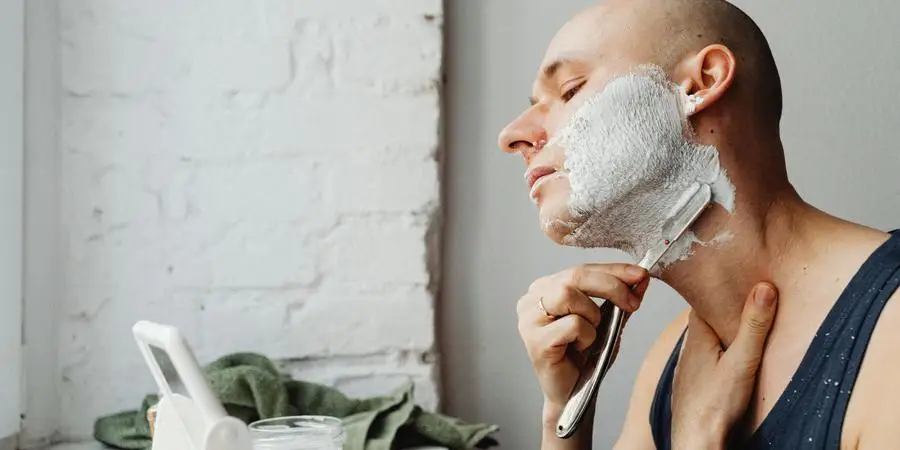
{"x": 637, "y": 426}
{"x": 881, "y": 363}
{"x": 871, "y": 415}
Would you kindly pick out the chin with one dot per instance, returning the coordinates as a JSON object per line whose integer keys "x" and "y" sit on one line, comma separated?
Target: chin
{"x": 557, "y": 236}
{"x": 557, "y": 227}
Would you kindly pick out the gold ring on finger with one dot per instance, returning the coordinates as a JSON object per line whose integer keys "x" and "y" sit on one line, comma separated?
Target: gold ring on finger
{"x": 543, "y": 309}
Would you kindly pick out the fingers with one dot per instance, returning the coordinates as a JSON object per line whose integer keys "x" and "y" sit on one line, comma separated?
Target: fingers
{"x": 561, "y": 300}
{"x": 558, "y": 310}
{"x": 641, "y": 288}
{"x": 612, "y": 282}
{"x": 549, "y": 344}
{"x": 570, "y": 291}
{"x": 700, "y": 336}
{"x": 747, "y": 349}
{"x": 567, "y": 330}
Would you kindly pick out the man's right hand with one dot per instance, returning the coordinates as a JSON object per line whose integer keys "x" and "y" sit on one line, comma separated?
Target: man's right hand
{"x": 558, "y": 320}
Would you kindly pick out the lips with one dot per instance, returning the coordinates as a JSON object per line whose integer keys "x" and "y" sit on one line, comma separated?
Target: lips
{"x": 534, "y": 174}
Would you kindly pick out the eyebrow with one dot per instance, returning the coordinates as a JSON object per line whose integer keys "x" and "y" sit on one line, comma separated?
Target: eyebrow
{"x": 549, "y": 72}
{"x": 552, "y": 68}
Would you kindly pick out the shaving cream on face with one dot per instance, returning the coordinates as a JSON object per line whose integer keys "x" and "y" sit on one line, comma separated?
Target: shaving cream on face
{"x": 631, "y": 159}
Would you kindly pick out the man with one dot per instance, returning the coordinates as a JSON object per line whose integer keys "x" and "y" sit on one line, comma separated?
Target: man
{"x": 834, "y": 333}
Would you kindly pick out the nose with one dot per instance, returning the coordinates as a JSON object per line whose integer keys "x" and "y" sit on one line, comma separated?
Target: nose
{"x": 526, "y": 134}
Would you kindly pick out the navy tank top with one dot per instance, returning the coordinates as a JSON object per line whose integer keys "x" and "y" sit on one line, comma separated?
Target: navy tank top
{"x": 810, "y": 413}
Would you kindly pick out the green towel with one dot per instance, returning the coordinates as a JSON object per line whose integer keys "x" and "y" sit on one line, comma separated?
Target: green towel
{"x": 251, "y": 388}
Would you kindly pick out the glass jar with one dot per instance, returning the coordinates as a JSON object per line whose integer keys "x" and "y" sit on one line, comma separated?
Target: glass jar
{"x": 298, "y": 433}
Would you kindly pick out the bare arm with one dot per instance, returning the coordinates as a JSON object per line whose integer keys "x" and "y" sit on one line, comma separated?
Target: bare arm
{"x": 557, "y": 317}
{"x": 636, "y": 434}
{"x": 871, "y": 421}
{"x": 580, "y": 441}
{"x": 709, "y": 397}
{"x": 881, "y": 433}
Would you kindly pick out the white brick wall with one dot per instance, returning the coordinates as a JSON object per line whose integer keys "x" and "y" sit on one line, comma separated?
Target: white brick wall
{"x": 262, "y": 174}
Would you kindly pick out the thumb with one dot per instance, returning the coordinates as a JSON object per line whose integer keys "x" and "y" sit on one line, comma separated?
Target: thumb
{"x": 700, "y": 334}
{"x": 701, "y": 347}
{"x": 746, "y": 351}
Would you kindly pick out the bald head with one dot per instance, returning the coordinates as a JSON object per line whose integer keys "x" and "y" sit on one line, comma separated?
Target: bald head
{"x": 667, "y": 32}
{"x": 709, "y": 49}
{"x": 685, "y": 27}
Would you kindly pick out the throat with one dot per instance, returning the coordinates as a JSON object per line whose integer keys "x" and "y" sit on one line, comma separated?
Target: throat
{"x": 811, "y": 265}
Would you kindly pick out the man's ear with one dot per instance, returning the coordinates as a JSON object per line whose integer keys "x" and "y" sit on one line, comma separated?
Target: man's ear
{"x": 706, "y": 76}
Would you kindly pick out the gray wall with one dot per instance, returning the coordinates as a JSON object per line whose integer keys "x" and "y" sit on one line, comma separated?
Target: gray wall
{"x": 11, "y": 182}
{"x": 839, "y": 65}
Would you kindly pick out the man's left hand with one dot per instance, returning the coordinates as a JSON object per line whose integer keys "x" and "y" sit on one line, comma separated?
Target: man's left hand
{"x": 713, "y": 387}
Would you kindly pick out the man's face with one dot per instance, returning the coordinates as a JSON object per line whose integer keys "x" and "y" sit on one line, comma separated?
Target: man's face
{"x": 595, "y": 47}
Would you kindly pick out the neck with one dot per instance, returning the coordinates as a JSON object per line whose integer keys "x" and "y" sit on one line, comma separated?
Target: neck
{"x": 808, "y": 255}
{"x": 755, "y": 244}
{"x": 772, "y": 235}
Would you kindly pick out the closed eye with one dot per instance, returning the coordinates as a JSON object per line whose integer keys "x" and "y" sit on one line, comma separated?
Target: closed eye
{"x": 568, "y": 95}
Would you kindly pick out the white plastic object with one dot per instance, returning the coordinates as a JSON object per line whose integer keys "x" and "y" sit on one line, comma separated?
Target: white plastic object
{"x": 196, "y": 421}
